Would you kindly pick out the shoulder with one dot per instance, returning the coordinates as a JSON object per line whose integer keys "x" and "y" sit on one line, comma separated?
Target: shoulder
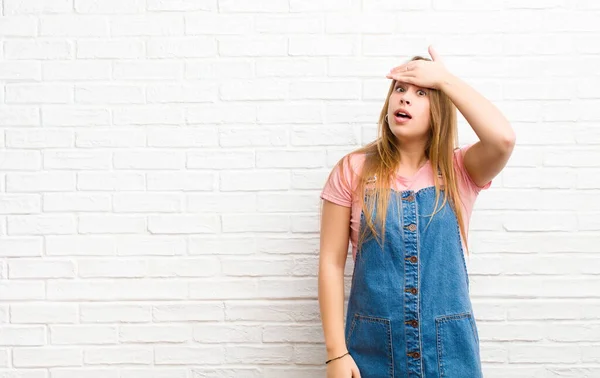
{"x": 351, "y": 164}
{"x": 341, "y": 183}
{"x": 459, "y": 152}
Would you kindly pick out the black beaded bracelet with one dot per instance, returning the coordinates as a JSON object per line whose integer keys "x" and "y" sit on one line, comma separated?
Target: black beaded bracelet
{"x": 326, "y": 362}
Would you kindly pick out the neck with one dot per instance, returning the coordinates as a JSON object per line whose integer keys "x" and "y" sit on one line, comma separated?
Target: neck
{"x": 414, "y": 160}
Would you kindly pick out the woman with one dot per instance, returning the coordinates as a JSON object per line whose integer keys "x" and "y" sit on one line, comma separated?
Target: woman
{"x": 410, "y": 194}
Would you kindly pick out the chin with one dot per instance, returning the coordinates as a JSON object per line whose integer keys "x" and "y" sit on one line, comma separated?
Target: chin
{"x": 405, "y": 132}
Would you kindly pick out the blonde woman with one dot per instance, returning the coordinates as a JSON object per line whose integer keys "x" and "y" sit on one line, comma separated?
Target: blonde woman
{"x": 404, "y": 201}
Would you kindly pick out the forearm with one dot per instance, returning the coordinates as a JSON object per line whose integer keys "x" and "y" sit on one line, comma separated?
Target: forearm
{"x": 490, "y": 125}
{"x": 331, "y": 302}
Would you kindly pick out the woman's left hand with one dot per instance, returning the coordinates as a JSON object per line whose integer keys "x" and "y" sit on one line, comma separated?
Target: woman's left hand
{"x": 422, "y": 73}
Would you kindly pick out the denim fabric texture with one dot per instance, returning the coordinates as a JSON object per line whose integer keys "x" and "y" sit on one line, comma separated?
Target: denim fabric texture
{"x": 409, "y": 311}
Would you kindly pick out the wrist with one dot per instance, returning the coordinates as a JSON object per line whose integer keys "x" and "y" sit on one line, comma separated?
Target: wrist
{"x": 336, "y": 352}
{"x": 337, "y": 358}
{"x": 447, "y": 81}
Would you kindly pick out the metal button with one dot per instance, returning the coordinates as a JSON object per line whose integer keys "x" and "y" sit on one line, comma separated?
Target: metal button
{"x": 412, "y": 259}
{"x": 412, "y": 290}
{"x": 414, "y": 354}
{"x": 410, "y": 198}
{"x": 413, "y": 323}
{"x": 412, "y": 227}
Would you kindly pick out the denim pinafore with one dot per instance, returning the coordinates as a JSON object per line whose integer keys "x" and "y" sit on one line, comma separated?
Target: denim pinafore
{"x": 409, "y": 313}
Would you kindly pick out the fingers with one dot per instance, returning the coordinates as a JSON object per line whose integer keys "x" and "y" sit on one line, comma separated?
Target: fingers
{"x": 403, "y": 71}
{"x": 435, "y": 56}
{"x": 406, "y": 78}
{"x": 402, "y": 68}
{"x": 402, "y": 74}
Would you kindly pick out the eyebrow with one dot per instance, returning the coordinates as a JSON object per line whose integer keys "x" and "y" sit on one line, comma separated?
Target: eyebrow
{"x": 402, "y": 83}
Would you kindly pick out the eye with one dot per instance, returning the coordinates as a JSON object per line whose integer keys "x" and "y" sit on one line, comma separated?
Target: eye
{"x": 420, "y": 92}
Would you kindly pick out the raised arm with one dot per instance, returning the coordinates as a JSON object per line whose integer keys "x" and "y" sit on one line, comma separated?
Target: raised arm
{"x": 485, "y": 159}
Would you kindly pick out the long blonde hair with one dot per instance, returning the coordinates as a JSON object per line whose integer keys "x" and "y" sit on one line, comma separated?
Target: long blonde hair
{"x": 382, "y": 157}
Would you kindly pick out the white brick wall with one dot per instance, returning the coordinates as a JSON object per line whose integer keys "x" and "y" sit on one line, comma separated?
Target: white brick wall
{"x": 161, "y": 161}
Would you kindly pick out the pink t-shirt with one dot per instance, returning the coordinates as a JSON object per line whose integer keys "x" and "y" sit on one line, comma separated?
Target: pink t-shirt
{"x": 339, "y": 191}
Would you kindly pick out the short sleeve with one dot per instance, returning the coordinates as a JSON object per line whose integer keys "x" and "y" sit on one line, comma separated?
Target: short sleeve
{"x": 338, "y": 186}
{"x": 467, "y": 180}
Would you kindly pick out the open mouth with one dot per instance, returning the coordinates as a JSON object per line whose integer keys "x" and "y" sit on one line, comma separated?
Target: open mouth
{"x": 403, "y": 115}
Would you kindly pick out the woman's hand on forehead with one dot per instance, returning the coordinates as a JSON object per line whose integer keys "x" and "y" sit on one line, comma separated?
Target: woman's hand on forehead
{"x": 421, "y": 73}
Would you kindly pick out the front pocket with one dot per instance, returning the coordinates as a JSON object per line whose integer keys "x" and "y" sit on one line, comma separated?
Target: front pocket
{"x": 369, "y": 342}
{"x": 457, "y": 346}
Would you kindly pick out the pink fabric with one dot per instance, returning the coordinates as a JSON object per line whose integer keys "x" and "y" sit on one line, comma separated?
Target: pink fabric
{"x": 338, "y": 191}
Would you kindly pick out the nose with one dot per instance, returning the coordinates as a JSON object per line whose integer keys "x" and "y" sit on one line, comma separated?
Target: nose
{"x": 404, "y": 97}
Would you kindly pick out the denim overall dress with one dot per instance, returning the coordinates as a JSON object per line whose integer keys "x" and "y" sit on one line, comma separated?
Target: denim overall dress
{"x": 409, "y": 312}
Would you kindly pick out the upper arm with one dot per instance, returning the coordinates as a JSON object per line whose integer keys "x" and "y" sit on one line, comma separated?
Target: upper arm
{"x": 483, "y": 163}
{"x": 336, "y": 213}
{"x": 335, "y": 233}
